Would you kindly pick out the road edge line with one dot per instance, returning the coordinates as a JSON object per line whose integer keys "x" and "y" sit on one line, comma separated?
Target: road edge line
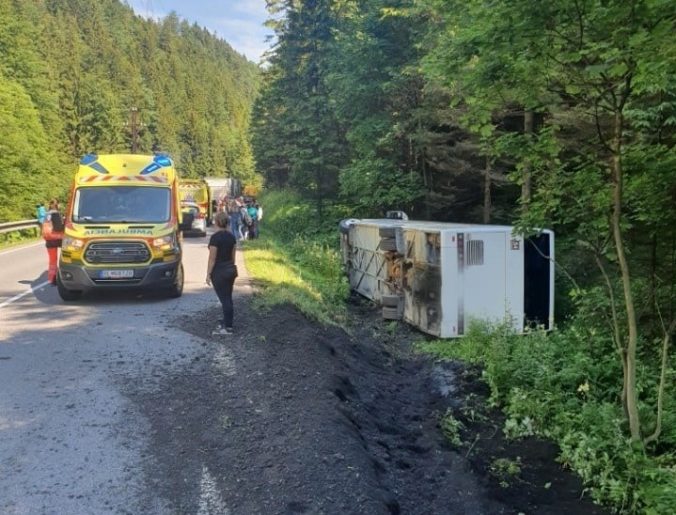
{"x": 17, "y": 249}
{"x": 21, "y": 295}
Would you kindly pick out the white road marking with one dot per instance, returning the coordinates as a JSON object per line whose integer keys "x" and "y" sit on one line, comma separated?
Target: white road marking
{"x": 21, "y": 295}
{"x": 210, "y": 501}
{"x": 17, "y": 249}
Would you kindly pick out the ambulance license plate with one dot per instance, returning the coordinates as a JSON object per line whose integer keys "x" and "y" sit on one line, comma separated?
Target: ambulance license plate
{"x": 116, "y": 274}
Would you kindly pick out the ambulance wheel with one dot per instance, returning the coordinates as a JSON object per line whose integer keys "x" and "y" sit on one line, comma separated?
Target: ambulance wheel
{"x": 176, "y": 290}
{"x": 66, "y": 294}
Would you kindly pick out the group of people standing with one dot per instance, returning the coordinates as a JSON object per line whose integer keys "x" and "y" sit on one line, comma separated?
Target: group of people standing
{"x": 52, "y": 226}
{"x": 245, "y": 217}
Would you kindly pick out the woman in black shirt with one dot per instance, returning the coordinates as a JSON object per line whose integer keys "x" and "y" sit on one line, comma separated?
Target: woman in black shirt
{"x": 221, "y": 270}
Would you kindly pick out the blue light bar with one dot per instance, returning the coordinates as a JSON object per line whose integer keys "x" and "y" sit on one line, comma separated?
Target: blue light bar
{"x": 162, "y": 160}
{"x": 153, "y": 167}
{"x": 88, "y": 159}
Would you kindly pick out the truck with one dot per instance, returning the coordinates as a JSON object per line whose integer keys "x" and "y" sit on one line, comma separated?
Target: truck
{"x": 221, "y": 188}
{"x": 122, "y": 226}
{"x": 439, "y": 277}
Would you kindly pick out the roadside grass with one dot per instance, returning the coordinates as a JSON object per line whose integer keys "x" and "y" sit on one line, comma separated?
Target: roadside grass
{"x": 296, "y": 259}
{"x": 284, "y": 276}
{"x": 564, "y": 386}
{"x": 17, "y": 238}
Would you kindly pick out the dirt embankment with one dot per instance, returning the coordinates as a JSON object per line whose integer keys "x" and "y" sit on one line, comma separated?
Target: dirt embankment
{"x": 290, "y": 417}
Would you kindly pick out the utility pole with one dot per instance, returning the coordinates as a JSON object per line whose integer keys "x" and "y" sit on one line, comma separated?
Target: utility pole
{"x": 134, "y": 126}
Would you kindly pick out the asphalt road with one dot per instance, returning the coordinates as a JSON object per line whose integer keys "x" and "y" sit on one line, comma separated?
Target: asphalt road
{"x": 126, "y": 404}
{"x": 70, "y": 441}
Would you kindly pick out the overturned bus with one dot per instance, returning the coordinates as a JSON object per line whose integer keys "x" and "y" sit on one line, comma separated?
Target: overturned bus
{"x": 441, "y": 276}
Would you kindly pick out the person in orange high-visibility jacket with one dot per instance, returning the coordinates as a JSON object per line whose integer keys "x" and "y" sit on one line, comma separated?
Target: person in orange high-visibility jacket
{"x": 52, "y": 232}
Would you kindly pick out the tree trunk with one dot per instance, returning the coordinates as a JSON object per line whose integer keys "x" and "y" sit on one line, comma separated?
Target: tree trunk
{"x": 632, "y": 341}
{"x": 617, "y": 337}
{"x": 653, "y": 274}
{"x": 320, "y": 195}
{"x": 662, "y": 385}
{"x": 487, "y": 192}
{"x": 672, "y": 297}
{"x": 426, "y": 174}
{"x": 528, "y": 126}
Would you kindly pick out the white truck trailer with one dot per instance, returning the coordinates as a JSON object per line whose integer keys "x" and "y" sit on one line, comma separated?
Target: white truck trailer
{"x": 440, "y": 276}
{"x": 221, "y": 187}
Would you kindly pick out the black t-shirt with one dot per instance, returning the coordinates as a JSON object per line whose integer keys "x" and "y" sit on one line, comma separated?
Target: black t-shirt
{"x": 224, "y": 241}
{"x": 57, "y": 221}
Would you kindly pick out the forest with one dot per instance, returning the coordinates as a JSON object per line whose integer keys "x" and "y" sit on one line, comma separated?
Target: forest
{"x": 533, "y": 114}
{"x": 537, "y": 114}
{"x": 73, "y": 71}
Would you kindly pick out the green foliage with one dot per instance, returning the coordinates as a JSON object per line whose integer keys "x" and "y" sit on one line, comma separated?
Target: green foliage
{"x": 288, "y": 216}
{"x": 506, "y": 471}
{"x": 9, "y": 239}
{"x": 296, "y": 260}
{"x": 445, "y": 107}
{"x": 70, "y": 73}
{"x": 296, "y": 136}
{"x": 29, "y": 168}
{"x": 343, "y": 114}
{"x": 374, "y": 186}
{"x": 451, "y": 427}
{"x": 564, "y": 385}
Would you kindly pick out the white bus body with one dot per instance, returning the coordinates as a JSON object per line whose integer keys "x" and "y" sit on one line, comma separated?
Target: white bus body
{"x": 447, "y": 274}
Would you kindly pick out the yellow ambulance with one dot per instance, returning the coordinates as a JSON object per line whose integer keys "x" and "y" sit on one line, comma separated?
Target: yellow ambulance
{"x": 196, "y": 191}
{"x": 122, "y": 226}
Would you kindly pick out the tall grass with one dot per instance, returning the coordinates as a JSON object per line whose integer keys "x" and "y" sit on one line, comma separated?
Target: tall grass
{"x": 297, "y": 260}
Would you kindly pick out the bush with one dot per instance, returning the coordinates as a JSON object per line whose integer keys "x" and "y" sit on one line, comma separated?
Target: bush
{"x": 17, "y": 237}
{"x": 565, "y": 385}
{"x": 287, "y": 217}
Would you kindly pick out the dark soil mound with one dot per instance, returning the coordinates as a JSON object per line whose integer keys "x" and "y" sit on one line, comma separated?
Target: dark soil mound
{"x": 290, "y": 417}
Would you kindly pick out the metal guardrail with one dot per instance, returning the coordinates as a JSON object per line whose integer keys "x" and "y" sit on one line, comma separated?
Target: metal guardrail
{"x": 18, "y": 226}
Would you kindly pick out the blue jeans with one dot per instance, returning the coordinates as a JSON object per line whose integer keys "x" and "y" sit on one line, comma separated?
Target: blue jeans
{"x": 235, "y": 220}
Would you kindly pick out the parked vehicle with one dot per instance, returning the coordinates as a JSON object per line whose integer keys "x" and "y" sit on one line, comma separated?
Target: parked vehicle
{"x": 122, "y": 226}
{"x": 197, "y": 191}
{"x": 194, "y": 220}
{"x": 441, "y": 276}
{"x": 221, "y": 188}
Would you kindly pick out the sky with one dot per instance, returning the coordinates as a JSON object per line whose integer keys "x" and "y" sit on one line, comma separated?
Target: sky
{"x": 239, "y": 22}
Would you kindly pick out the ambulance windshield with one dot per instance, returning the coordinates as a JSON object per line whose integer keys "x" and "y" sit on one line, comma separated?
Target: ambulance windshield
{"x": 122, "y": 204}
